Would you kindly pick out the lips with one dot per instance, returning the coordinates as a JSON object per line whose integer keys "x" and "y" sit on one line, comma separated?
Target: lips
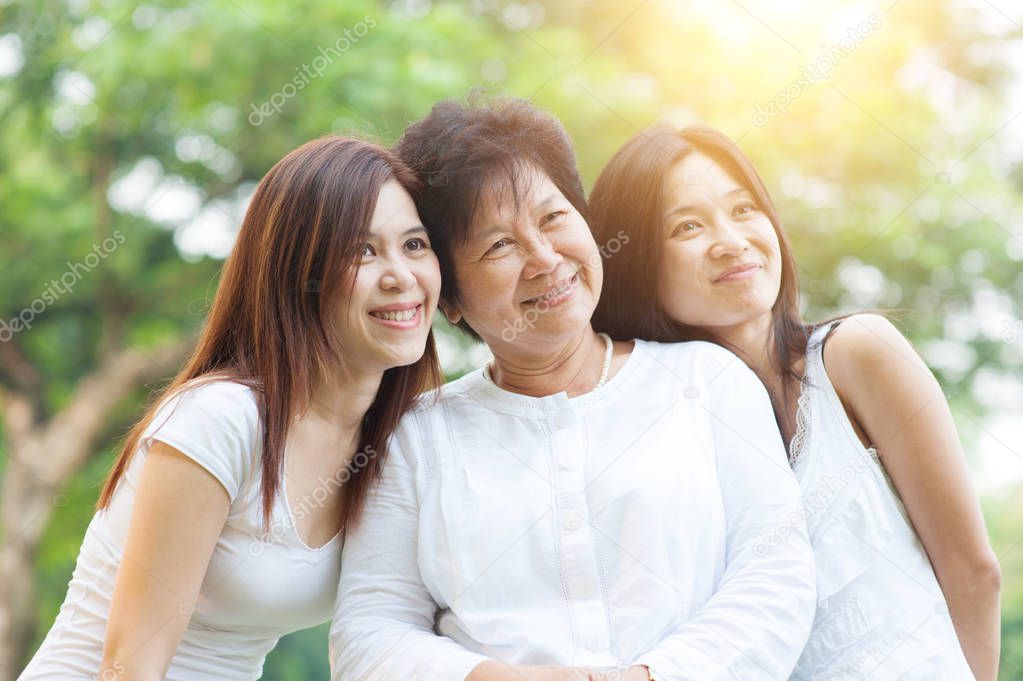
{"x": 738, "y": 272}
{"x": 399, "y": 312}
{"x": 555, "y": 292}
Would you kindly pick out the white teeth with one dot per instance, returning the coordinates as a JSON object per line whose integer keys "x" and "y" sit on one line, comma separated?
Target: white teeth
{"x": 555, "y": 293}
{"x": 396, "y": 315}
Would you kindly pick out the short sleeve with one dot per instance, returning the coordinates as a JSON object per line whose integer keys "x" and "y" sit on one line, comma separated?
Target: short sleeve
{"x": 216, "y": 424}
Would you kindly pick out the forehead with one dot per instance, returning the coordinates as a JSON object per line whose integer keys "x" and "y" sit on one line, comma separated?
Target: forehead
{"x": 698, "y": 177}
{"x": 511, "y": 192}
{"x": 394, "y": 212}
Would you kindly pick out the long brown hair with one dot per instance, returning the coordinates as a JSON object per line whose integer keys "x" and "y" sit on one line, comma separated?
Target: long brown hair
{"x": 271, "y": 327}
{"x": 628, "y": 196}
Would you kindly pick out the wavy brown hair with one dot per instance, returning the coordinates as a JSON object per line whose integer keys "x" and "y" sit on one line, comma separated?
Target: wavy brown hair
{"x": 629, "y": 196}
{"x": 271, "y": 326}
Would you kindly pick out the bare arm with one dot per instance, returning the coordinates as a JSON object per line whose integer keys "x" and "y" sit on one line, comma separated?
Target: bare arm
{"x": 178, "y": 514}
{"x": 893, "y": 396}
{"x": 498, "y": 671}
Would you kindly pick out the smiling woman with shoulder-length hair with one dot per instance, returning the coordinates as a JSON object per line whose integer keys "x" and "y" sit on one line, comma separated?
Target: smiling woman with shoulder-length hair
{"x": 580, "y": 504}
{"x": 205, "y": 548}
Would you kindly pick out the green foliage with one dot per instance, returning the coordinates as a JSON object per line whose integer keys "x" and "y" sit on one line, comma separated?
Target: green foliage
{"x": 884, "y": 174}
{"x": 1005, "y": 525}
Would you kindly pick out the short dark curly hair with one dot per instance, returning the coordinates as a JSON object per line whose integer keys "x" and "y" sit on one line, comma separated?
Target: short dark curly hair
{"x": 464, "y": 151}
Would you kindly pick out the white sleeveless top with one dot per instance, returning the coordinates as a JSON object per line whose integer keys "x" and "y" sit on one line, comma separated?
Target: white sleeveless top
{"x": 257, "y": 586}
{"x": 880, "y": 613}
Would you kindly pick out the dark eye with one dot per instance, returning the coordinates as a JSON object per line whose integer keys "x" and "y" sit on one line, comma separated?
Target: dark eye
{"x": 553, "y": 217}
{"x": 417, "y": 244}
{"x": 686, "y": 228}
{"x": 745, "y": 208}
{"x": 499, "y": 244}
{"x": 367, "y": 250}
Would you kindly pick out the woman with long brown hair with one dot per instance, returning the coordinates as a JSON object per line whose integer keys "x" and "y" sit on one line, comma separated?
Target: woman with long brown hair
{"x": 221, "y": 524}
{"x": 907, "y": 582}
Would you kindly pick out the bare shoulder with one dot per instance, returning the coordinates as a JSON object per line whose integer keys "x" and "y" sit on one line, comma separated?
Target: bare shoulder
{"x": 862, "y": 341}
{"x": 867, "y": 348}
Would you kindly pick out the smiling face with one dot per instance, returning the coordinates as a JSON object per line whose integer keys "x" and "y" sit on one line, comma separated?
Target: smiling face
{"x": 394, "y": 291}
{"x": 721, "y": 263}
{"x": 529, "y": 275}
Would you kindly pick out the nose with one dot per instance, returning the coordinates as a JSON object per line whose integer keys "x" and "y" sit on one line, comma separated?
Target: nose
{"x": 541, "y": 258}
{"x": 397, "y": 275}
{"x": 731, "y": 239}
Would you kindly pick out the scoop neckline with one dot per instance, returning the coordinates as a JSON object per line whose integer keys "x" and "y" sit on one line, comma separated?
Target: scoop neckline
{"x": 290, "y": 516}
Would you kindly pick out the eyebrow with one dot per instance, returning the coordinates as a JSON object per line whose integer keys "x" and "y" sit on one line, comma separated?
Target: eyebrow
{"x": 688, "y": 209}
{"x": 552, "y": 197}
{"x": 410, "y": 230}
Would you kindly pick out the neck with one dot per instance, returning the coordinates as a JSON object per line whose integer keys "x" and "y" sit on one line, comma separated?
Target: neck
{"x": 573, "y": 368}
{"x": 342, "y": 397}
{"x": 755, "y": 343}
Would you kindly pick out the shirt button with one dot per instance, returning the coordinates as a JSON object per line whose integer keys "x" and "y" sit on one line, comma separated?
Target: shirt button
{"x": 566, "y": 500}
{"x": 571, "y": 521}
{"x": 564, "y": 418}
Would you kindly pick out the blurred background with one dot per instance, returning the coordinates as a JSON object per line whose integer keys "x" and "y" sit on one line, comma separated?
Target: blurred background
{"x": 132, "y": 135}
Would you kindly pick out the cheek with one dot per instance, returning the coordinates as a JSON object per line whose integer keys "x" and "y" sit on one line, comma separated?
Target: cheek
{"x": 428, "y": 274}
{"x": 575, "y": 240}
{"x": 680, "y": 290}
{"x": 768, "y": 239}
{"x": 354, "y": 298}
{"x": 483, "y": 286}
{"x": 772, "y": 248}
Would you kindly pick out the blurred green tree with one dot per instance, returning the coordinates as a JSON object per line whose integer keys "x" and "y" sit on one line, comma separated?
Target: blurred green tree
{"x": 131, "y": 136}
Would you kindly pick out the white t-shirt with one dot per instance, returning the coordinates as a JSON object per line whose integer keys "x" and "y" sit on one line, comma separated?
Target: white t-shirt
{"x": 623, "y": 526}
{"x": 257, "y": 587}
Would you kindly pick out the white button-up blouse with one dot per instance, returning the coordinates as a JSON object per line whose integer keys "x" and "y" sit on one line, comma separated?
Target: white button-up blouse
{"x": 653, "y": 521}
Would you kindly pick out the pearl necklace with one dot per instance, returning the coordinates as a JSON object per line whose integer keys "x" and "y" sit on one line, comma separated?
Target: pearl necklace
{"x": 608, "y": 354}
{"x": 605, "y": 370}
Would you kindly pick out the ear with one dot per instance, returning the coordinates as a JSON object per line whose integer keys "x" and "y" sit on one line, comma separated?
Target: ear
{"x": 450, "y": 311}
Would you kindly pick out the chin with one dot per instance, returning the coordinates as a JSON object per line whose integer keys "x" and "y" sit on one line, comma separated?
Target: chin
{"x": 746, "y": 316}
{"x": 408, "y": 358}
{"x": 400, "y": 357}
{"x": 567, "y": 329}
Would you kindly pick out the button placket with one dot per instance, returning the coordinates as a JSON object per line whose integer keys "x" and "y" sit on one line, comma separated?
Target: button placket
{"x": 578, "y": 551}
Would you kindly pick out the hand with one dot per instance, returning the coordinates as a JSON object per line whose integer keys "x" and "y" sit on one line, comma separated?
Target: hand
{"x": 633, "y": 673}
{"x": 498, "y": 671}
{"x": 555, "y": 673}
{"x": 492, "y": 670}
{"x": 636, "y": 672}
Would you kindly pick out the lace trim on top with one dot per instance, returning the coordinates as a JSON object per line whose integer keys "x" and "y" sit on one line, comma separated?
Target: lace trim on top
{"x": 802, "y": 422}
{"x": 802, "y": 434}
